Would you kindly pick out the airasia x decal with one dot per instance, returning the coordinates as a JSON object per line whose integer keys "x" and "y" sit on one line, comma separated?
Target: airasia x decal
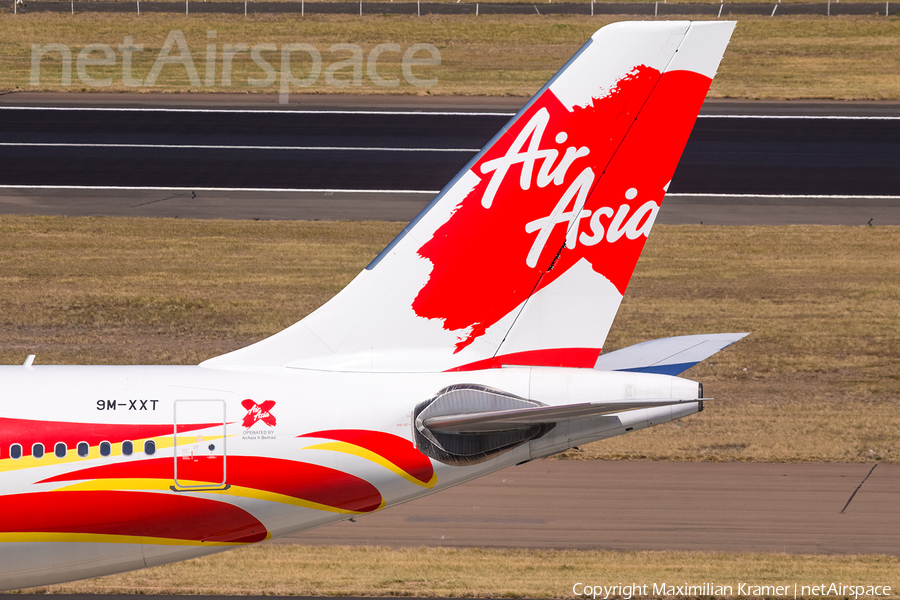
{"x": 258, "y": 412}
{"x": 559, "y": 186}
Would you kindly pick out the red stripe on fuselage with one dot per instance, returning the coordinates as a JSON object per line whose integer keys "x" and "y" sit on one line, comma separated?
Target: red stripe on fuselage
{"x": 304, "y": 481}
{"x": 107, "y": 512}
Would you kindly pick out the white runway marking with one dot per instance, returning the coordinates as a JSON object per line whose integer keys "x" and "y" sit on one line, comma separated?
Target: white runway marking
{"x": 362, "y": 191}
{"x": 224, "y": 147}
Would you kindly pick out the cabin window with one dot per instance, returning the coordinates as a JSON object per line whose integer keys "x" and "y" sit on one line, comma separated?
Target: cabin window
{"x": 37, "y": 450}
{"x": 15, "y": 451}
{"x": 105, "y": 448}
{"x": 83, "y": 449}
{"x": 127, "y": 448}
{"x": 149, "y": 447}
{"x": 60, "y": 450}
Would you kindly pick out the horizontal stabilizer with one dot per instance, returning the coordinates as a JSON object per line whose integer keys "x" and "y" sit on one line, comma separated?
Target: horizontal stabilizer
{"x": 667, "y": 356}
{"x": 511, "y": 419}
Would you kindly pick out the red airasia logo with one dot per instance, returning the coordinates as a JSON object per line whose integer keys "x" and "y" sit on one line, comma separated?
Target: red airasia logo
{"x": 258, "y": 412}
{"x": 561, "y": 186}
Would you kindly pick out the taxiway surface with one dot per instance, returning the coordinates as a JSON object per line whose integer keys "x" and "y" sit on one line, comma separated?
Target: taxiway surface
{"x": 643, "y": 505}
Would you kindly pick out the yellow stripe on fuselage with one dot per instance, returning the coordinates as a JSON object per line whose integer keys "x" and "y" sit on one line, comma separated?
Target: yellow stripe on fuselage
{"x": 348, "y": 448}
{"x": 103, "y": 538}
{"x": 165, "y": 442}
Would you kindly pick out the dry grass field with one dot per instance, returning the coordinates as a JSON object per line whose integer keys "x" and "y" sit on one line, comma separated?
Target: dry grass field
{"x": 818, "y": 379}
{"x": 784, "y": 58}
{"x": 480, "y": 2}
{"x": 479, "y": 573}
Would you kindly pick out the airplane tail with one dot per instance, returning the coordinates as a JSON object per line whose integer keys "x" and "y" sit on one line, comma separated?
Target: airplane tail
{"x": 524, "y": 257}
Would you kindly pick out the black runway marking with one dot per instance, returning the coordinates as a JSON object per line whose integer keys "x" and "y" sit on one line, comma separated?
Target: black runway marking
{"x": 857, "y": 489}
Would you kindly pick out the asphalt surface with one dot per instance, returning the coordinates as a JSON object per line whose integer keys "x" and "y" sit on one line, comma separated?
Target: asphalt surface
{"x": 413, "y": 151}
{"x": 640, "y": 505}
{"x": 240, "y": 150}
{"x": 469, "y": 8}
{"x": 324, "y": 159}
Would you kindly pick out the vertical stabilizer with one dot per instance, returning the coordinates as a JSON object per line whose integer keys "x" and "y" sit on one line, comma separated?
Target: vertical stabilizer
{"x": 524, "y": 257}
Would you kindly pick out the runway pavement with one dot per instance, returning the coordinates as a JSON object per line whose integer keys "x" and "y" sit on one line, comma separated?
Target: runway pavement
{"x": 385, "y": 157}
{"x": 412, "y": 150}
{"x": 642, "y": 505}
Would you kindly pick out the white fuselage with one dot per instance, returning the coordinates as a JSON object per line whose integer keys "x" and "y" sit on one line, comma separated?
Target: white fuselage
{"x": 222, "y": 458}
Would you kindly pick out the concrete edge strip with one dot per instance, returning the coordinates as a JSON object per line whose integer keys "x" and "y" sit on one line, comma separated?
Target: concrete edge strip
{"x": 409, "y": 113}
{"x": 225, "y": 147}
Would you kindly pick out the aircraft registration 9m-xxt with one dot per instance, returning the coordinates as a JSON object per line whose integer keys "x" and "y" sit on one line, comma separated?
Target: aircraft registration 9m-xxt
{"x": 471, "y": 343}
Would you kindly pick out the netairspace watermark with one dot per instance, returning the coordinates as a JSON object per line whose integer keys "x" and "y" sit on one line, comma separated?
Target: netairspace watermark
{"x": 628, "y": 591}
{"x": 176, "y": 54}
